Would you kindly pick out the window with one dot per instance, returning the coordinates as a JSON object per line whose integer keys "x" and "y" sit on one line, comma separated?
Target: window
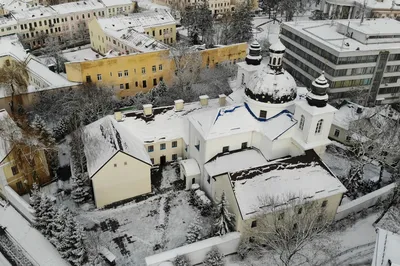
{"x": 160, "y": 67}
{"x": 302, "y": 120}
{"x": 348, "y": 138}
{"x": 120, "y": 74}
{"x": 160, "y": 32}
{"x": 174, "y": 144}
{"x": 154, "y": 82}
{"x": 99, "y": 77}
{"x": 197, "y": 145}
{"x": 136, "y": 84}
{"x": 174, "y": 157}
{"x": 225, "y": 149}
{"x": 154, "y": 68}
{"x": 8, "y": 62}
{"x": 162, "y": 146}
{"x": 144, "y": 84}
{"x": 143, "y": 70}
{"x": 324, "y": 203}
{"x": 125, "y": 163}
{"x": 121, "y": 86}
{"x": 152, "y": 160}
{"x": 150, "y": 148}
{"x": 263, "y": 114}
{"x": 126, "y": 73}
{"x": 127, "y": 86}
{"x": 110, "y": 74}
{"x": 208, "y": 179}
{"x": 337, "y": 132}
{"x": 244, "y": 145}
{"x": 300, "y": 211}
{"x": 88, "y": 79}
{"x": 115, "y": 165}
{"x": 253, "y": 224}
{"x": 20, "y": 187}
{"x": 154, "y": 33}
{"x": 281, "y": 216}
{"x": 14, "y": 170}
{"x": 319, "y": 126}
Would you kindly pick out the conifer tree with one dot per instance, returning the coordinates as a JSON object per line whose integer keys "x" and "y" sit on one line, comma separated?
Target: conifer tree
{"x": 225, "y": 221}
{"x": 194, "y": 232}
{"x": 80, "y": 192}
{"x": 42, "y": 131}
{"x": 57, "y": 226}
{"x": 78, "y": 254}
{"x": 65, "y": 240}
{"x": 44, "y": 215}
{"x": 241, "y": 29}
{"x": 35, "y": 197}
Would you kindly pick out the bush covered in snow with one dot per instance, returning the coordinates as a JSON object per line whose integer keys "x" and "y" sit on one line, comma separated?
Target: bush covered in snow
{"x": 181, "y": 261}
{"x": 199, "y": 199}
{"x": 194, "y": 232}
{"x": 214, "y": 258}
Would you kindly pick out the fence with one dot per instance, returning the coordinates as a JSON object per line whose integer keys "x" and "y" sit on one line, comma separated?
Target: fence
{"x": 364, "y": 202}
{"x": 196, "y": 252}
{"x": 20, "y": 204}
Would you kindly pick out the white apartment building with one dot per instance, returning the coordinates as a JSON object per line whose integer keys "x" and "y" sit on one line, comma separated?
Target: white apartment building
{"x": 358, "y": 58}
{"x": 66, "y": 22}
{"x": 344, "y": 9}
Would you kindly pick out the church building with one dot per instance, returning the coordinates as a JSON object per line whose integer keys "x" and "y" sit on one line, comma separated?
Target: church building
{"x": 262, "y": 141}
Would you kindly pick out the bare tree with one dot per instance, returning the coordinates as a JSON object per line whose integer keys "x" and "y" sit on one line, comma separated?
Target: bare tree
{"x": 14, "y": 77}
{"x": 53, "y": 53}
{"x": 287, "y": 225}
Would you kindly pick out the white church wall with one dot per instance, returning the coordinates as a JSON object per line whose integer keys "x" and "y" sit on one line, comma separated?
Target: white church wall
{"x": 326, "y": 126}
{"x": 244, "y": 73}
{"x": 281, "y": 147}
{"x": 272, "y": 109}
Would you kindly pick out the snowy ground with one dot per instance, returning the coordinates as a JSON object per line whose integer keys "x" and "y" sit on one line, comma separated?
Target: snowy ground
{"x": 137, "y": 230}
{"x": 354, "y": 244}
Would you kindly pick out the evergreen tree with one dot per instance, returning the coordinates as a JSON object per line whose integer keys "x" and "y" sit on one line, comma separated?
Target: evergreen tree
{"x": 181, "y": 261}
{"x": 35, "y": 197}
{"x": 42, "y": 131}
{"x": 194, "y": 232}
{"x": 65, "y": 239}
{"x": 78, "y": 157}
{"x": 44, "y": 215}
{"x": 198, "y": 20}
{"x": 80, "y": 192}
{"x": 78, "y": 254}
{"x": 214, "y": 258}
{"x": 241, "y": 29}
{"x": 158, "y": 93}
{"x": 57, "y": 226}
{"x": 225, "y": 221}
{"x": 61, "y": 129}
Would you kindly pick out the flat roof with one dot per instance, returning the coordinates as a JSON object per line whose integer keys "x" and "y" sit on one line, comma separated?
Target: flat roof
{"x": 372, "y": 4}
{"x": 325, "y": 33}
{"x": 34, "y": 13}
{"x": 109, "y": 3}
{"x": 87, "y": 5}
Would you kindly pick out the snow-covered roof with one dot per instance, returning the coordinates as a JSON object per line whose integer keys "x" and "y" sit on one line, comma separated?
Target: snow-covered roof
{"x": 143, "y": 19}
{"x": 104, "y": 138}
{"x": 191, "y": 167}
{"x": 235, "y": 161}
{"x": 346, "y": 114}
{"x": 7, "y": 22}
{"x": 277, "y": 46}
{"x": 372, "y": 4}
{"x": 79, "y": 6}
{"x": 31, "y": 240}
{"x": 110, "y": 3}
{"x": 154, "y": 129}
{"x": 11, "y": 46}
{"x": 305, "y": 176}
{"x": 387, "y": 248}
{"x": 34, "y": 13}
{"x": 327, "y": 36}
{"x": 238, "y": 119}
{"x": 136, "y": 40}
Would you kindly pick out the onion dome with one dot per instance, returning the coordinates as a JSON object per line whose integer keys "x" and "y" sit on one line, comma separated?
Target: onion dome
{"x": 270, "y": 86}
{"x": 254, "y": 57}
{"x": 318, "y": 96}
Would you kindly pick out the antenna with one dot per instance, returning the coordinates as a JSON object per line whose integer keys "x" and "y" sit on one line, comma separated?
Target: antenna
{"x": 344, "y": 35}
{"x": 363, "y": 11}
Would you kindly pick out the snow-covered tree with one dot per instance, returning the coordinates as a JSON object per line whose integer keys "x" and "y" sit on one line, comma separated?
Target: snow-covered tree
{"x": 78, "y": 254}
{"x": 42, "y": 131}
{"x": 35, "y": 197}
{"x": 79, "y": 162}
{"x": 181, "y": 261}
{"x": 194, "y": 232}
{"x": 198, "y": 20}
{"x": 225, "y": 221}
{"x": 57, "y": 226}
{"x": 214, "y": 258}
{"x": 44, "y": 215}
{"x": 241, "y": 28}
{"x": 80, "y": 191}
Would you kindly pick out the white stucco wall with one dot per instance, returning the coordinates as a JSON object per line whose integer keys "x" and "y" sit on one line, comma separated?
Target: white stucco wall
{"x": 168, "y": 151}
{"x": 123, "y": 177}
{"x": 214, "y": 146}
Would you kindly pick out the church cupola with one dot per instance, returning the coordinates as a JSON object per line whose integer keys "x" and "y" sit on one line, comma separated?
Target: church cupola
{"x": 276, "y": 52}
{"x": 318, "y": 96}
{"x": 254, "y": 57}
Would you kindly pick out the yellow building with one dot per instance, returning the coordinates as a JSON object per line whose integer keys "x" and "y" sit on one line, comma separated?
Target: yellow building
{"x": 140, "y": 72}
{"x": 18, "y": 173}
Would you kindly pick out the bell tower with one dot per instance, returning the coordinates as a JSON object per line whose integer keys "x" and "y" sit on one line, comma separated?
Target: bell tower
{"x": 276, "y": 52}
{"x": 254, "y": 57}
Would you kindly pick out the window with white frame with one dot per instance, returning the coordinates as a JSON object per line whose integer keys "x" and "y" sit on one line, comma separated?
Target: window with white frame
{"x": 160, "y": 67}
{"x": 302, "y": 121}
{"x": 143, "y": 70}
{"x": 120, "y": 74}
{"x": 126, "y": 73}
{"x": 99, "y": 77}
{"x": 319, "y": 126}
{"x": 337, "y": 132}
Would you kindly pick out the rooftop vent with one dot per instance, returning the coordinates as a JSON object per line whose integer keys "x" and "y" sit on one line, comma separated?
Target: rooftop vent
{"x": 222, "y": 100}
{"x": 118, "y": 116}
{"x": 147, "y": 109}
{"x": 203, "y": 100}
{"x": 178, "y": 105}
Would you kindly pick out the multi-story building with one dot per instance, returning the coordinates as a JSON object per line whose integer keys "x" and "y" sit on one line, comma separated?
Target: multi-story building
{"x": 65, "y": 22}
{"x": 359, "y": 59}
{"x": 355, "y": 8}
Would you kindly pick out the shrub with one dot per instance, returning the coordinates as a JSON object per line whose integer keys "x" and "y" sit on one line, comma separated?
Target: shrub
{"x": 214, "y": 258}
{"x": 181, "y": 261}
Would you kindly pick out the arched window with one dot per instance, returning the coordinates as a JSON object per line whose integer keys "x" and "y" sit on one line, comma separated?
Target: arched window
{"x": 274, "y": 61}
{"x": 270, "y": 60}
{"x": 319, "y": 126}
{"x": 302, "y": 121}
{"x": 242, "y": 78}
{"x": 279, "y": 61}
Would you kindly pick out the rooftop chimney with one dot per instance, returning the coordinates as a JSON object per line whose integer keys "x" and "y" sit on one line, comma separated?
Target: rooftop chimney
{"x": 178, "y": 105}
{"x": 118, "y": 116}
{"x": 203, "y": 100}
{"x": 222, "y": 100}
{"x": 147, "y": 109}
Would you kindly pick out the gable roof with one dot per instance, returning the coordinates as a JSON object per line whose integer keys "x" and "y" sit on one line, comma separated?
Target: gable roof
{"x": 104, "y": 138}
{"x": 387, "y": 248}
